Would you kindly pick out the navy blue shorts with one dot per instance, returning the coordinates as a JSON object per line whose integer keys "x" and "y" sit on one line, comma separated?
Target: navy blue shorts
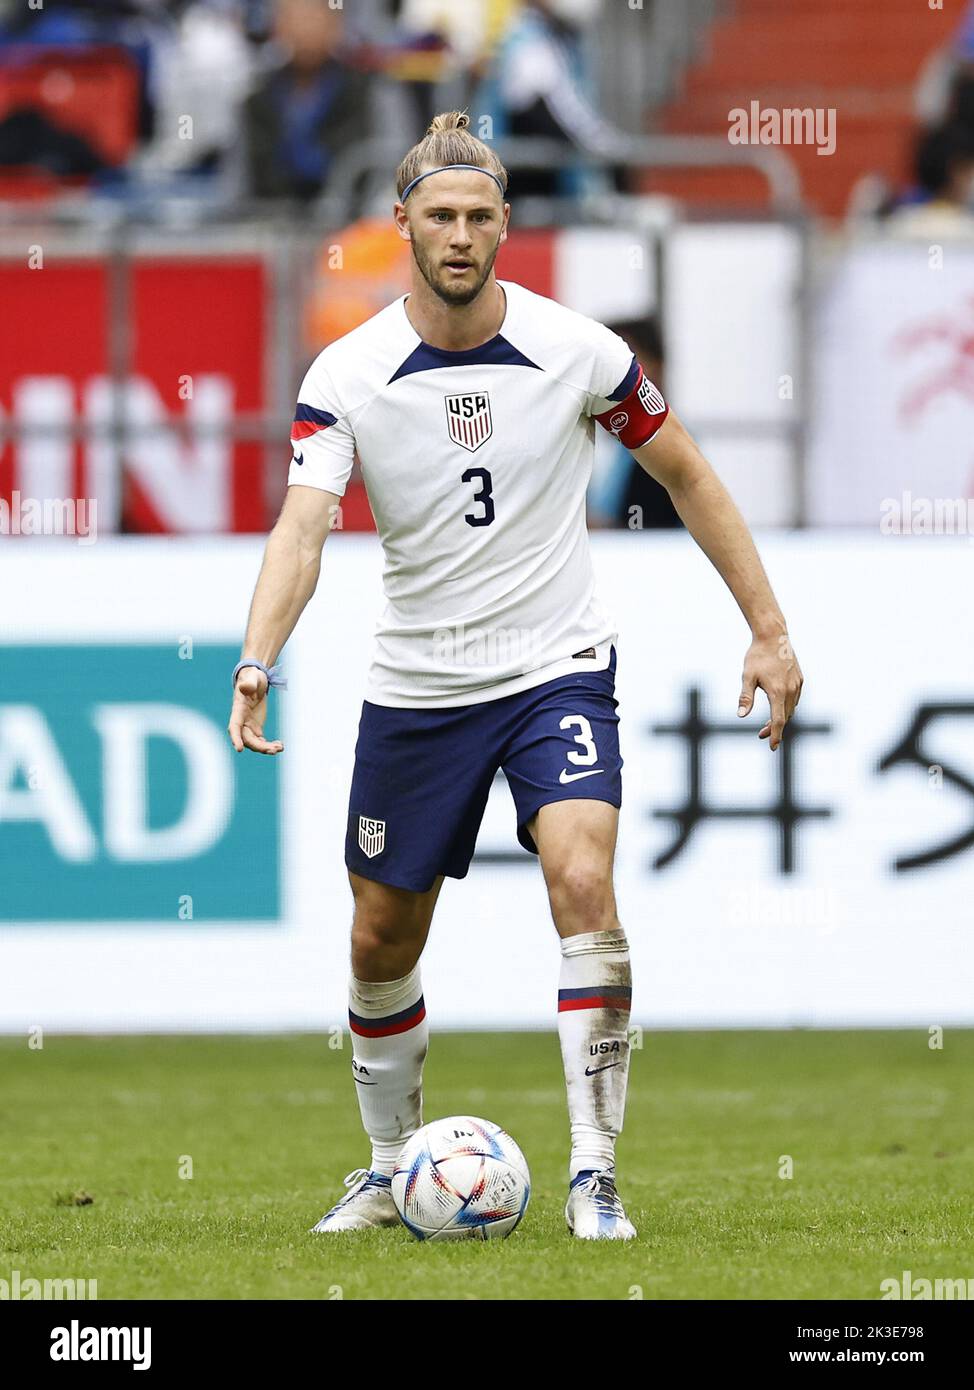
{"x": 422, "y": 776}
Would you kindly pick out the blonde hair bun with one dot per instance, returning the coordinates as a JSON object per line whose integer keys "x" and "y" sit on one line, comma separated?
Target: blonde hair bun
{"x": 448, "y": 120}
{"x": 449, "y": 141}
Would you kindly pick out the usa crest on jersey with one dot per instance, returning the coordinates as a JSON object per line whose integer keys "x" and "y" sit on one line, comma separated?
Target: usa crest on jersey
{"x": 468, "y": 419}
{"x": 371, "y": 836}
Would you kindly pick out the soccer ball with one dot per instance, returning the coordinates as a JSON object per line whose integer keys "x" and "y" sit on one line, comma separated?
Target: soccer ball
{"x": 461, "y": 1178}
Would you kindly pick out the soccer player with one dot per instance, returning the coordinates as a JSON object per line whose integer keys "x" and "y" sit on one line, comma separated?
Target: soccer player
{"x": 471, "y": 403}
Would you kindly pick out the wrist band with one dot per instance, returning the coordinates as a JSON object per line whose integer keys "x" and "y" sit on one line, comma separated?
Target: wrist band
{"x": 273, "y": 673}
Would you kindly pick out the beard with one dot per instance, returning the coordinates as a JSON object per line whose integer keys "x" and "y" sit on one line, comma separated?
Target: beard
{"x": 450, "y": 292}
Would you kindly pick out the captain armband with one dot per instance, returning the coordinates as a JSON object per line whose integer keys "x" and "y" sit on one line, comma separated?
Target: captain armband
{"x": 635, "y": 419}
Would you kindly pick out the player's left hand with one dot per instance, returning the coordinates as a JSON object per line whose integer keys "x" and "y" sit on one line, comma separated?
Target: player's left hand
{"x": 772, "y": 664}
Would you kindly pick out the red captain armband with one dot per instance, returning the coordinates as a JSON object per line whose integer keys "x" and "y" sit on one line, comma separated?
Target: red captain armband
{"x": 636, "y": 418}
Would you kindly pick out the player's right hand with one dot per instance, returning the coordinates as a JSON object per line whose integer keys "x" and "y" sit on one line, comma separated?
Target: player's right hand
{"x": 248, "y": 712}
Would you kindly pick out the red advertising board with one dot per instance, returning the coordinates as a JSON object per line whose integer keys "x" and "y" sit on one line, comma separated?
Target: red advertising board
{"x": 196, "y": 339}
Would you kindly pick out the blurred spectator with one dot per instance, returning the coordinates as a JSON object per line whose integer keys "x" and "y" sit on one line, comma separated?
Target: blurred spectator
{"x": 945, "y": 177}
{"x": 134, "y": 25}
{"x": 408, "y": 50}
{"x": 203, "y": 71}
{"x": 960, "y": 104}
{"x": 622, "y": 492}
{"x": 463, "y": 27}
{"x": 945, "y": 91}
{"x": 30, "y": 141}
{"x": 307, "y": 110}
{"x": 539, "y": 86}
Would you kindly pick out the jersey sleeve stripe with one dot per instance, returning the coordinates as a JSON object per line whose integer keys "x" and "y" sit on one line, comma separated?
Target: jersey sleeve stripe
{"x": 308, "y": 421}
{"x": 628, "y": 383}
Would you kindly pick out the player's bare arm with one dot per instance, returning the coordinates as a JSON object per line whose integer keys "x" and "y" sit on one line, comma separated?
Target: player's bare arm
{"x": 288, "y": 577}
{"x": 710, "y": 515}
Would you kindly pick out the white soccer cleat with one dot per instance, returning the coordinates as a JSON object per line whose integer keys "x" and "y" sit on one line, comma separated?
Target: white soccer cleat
{"x": 594, "y": 1210}
{"x": 367, "y": 1203}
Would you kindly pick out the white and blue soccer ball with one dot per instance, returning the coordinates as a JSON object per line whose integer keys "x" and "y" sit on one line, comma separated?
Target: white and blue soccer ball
{"x": 461, "y": 1178}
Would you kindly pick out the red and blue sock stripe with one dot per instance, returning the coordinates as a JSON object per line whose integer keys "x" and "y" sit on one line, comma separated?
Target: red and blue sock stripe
{"x": 595, "y": 997}
{"x": 390, "y": 1025}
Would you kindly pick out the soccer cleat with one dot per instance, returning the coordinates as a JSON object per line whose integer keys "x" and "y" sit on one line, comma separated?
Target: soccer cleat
{"x": 368, "y": 1203}
{"x": 594, "y": 1210}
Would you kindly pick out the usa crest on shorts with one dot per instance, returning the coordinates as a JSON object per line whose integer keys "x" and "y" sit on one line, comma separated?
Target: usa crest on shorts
{"x": 371, "y": 836}
{"x": 468, "y": 419}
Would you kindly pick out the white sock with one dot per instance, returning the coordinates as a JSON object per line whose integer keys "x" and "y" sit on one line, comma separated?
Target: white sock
{"x": 390, "y": 1036}
{"x": 594, "y": 999}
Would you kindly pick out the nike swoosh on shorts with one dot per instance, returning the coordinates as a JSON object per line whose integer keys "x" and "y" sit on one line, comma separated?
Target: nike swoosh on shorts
{"x": 567, "y": 776}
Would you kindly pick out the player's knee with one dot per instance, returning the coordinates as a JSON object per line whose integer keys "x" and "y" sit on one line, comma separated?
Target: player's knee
{"x": 581, "y": 895}
{"x": 386, "y": 935}
{"x": 374, "y": 930}
{"x": 379, "y": 953}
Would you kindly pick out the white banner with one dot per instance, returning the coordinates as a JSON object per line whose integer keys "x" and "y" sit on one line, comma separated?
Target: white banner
{"x": 761, "y": 890}
{"x": 728, "y": 285}
{"x": 892, "y": 424}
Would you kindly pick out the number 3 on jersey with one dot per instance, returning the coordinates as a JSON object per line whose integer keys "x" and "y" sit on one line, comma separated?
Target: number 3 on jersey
{"x": 484, "y": 496}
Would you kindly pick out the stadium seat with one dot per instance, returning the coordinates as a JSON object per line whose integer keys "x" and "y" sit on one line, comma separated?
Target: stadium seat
{"x": 861, "y": 59}
{"x": 64, "y": 113}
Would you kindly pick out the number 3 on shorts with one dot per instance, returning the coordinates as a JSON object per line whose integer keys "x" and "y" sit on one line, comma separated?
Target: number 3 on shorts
{"x": 584, "y": 737}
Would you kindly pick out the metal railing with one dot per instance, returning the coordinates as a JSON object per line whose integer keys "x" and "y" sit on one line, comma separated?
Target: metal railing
{"x": 372, "y": 160}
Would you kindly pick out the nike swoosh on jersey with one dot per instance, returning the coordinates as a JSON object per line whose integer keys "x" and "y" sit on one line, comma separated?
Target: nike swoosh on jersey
{"x": 590, "y": 1071}
{"x": 567, "y": 776}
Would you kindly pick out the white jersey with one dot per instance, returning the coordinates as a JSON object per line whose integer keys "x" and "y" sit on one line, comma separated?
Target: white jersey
{"x": 476, "y": 465}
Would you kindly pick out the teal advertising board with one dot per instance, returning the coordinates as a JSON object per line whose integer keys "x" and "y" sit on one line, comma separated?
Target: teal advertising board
{"x": 121, "y": 797}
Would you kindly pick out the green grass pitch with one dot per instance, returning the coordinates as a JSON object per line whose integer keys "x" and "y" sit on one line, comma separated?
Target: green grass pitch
{"x": 877, "y": 1124}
